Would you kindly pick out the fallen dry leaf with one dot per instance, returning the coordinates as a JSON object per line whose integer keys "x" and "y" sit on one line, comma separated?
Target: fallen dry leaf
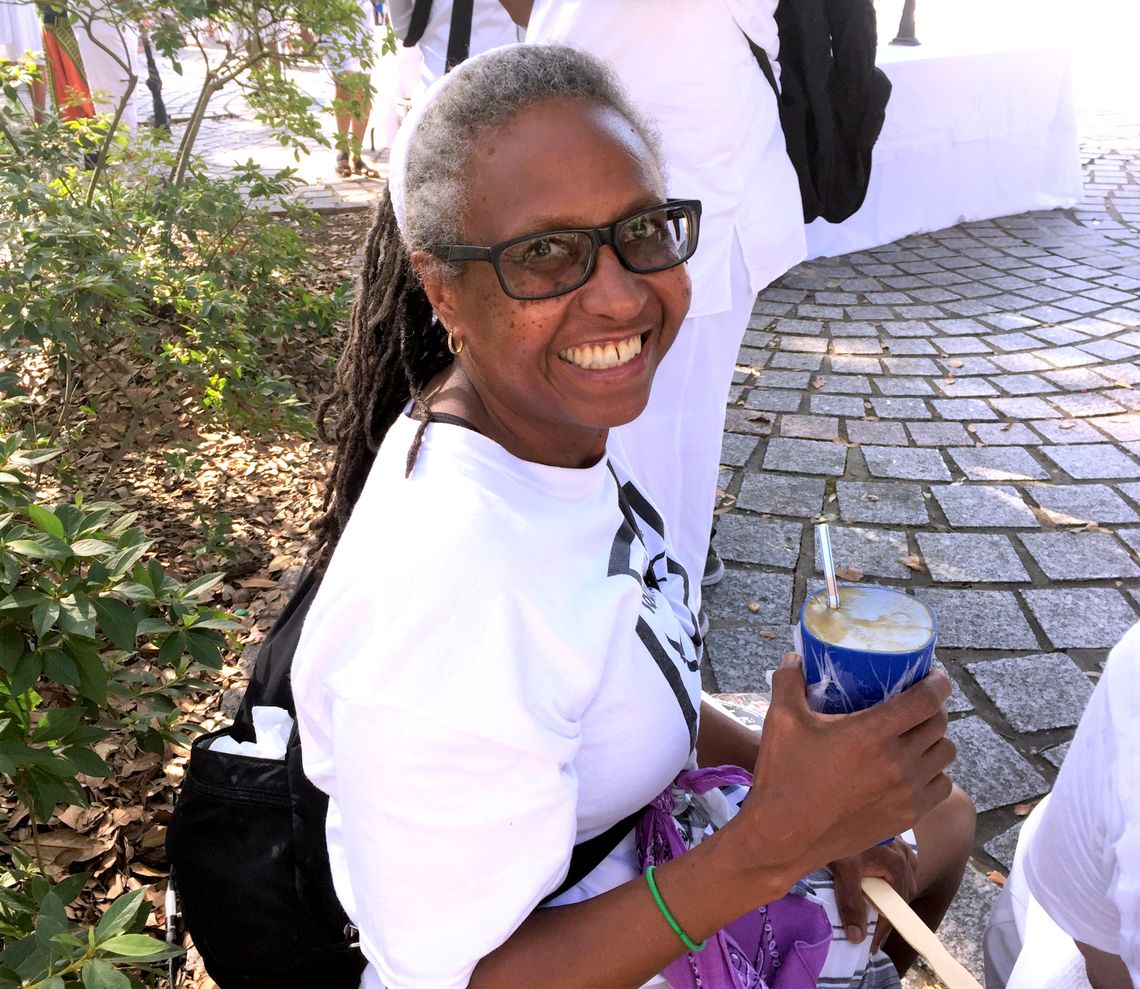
{"x": 1067, "y": 423}
{"x": 817, "y": 382}
{"x": 914, "y": 562}
{"x": 767, "y": 633}
{"x": 954, "y": 363}
{"x": 849, "y": 573}
{"x": 1022, "y": 810}
{"x": 995, "y": 877}
{"x": 1006, "y": 427}
{"x": 869, "y": 497}
{"x": 754, "y": 606}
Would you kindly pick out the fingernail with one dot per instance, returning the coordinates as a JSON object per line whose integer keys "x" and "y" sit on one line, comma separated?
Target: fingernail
{"x": 854, "y": 934}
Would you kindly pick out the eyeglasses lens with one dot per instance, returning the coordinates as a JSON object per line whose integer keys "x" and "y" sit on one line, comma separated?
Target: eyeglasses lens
{"x": 550, "y": 264}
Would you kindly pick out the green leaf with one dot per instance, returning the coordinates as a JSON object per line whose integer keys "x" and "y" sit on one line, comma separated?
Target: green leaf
{"x": 54, "y": 981}
{"x": 68, "y": 889}
{"x": 117, "y": 620}
{"x": 27, "y": 672}
{"x": 12, "y": 646}
{"x": 61, "y": 668}
{"x": 173, "y": 648}
{"x": 77, "y": 616}
{"x": 57, "y": 723}
{"x": 120, "y": 915}
{"x": 134, "y": 946}
{"x": 92, "y": 672}
{"x": 98, "y": 974}
{"x": 202, "y": 584}
{"x": 46, "y": 521}
{"x": 44, "y": 616}
{"x": 26, "y": 547}
{"x": 153, "y": 626}
{"x": 91, "y": 547}
{"x": 87, "y": 762}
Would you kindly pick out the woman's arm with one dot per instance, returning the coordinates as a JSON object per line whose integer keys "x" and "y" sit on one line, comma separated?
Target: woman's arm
{"x": 873, "y": 773}
{"x": 519, "y": 10}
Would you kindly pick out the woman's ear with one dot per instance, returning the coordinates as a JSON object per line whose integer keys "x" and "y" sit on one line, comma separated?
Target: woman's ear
{"x": 439, "y": 289}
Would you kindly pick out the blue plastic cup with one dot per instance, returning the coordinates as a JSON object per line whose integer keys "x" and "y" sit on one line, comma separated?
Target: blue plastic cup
{"x": 874, "y": 645}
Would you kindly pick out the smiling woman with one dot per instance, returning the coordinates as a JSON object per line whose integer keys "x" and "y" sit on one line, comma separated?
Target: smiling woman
{"x": 501, "y": 669}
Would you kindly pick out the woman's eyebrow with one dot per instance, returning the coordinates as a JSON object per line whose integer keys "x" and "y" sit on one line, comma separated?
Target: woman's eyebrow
{"x": 553, "y": 222}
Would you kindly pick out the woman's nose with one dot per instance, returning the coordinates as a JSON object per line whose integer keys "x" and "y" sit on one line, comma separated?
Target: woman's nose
{"x": 613, "y": 290}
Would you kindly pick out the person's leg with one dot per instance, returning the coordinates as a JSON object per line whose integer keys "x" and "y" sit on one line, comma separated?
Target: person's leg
{"x": 945, "y": 838}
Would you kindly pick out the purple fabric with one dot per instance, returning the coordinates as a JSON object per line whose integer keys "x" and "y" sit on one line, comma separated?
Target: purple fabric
{"x": 779, "y": 946}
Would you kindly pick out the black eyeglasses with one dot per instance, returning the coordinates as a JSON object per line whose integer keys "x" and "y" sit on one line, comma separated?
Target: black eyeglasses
{"x": 543, "y": 265}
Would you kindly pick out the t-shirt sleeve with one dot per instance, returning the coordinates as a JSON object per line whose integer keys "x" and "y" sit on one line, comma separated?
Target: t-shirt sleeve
{"x": 449, "y": 840}
{"x": 1069, "y": 865}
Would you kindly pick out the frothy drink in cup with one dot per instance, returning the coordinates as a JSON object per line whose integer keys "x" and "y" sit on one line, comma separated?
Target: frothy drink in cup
{"x": 873, "y": 646}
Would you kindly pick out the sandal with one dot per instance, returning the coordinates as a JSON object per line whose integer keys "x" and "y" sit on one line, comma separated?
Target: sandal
{"x": 364, "y": 170}
{"x": 342, "y": 167}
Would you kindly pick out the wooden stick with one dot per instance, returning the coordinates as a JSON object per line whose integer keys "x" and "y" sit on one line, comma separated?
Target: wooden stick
{"x": 920, "y": 937}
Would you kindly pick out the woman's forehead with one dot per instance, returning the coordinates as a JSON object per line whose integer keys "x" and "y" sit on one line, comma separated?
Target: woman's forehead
{"x": 559, "y": 163}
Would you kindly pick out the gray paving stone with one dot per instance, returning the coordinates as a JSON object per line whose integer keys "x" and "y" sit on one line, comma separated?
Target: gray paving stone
{"x": 971, "y": 619}
{"x": 976, "y": 505}
{"x": 963, "y": 928}
{"x": 962, "y": 345}
{"x": 912, "y": 347}
{"x": 1064, "y": 431}
{"x": 800, "y": 497}
{"x": 1005, "y": 434}
{"x": 1123, "y": 428}
{"x": 874, "y": 551}
{"x": 766, "y": 542}
{"x": 802, "y": 345}
{"x": 1056, "y": 754}
{"x": 1085, "y": 404}
{"x": 1078, "y": 504}
{"x": 879, "y": 433}
{"x": 1013, "y": 341}
{"x": 796, "y": 362}
{"x": 769, "y": 400}
{"x": 868, "y": 501}
{"x": 748, "y": 422}
{"x": 904, "y": 386}
{"x": 959, "y": 557}
{"x": 1025, "y": 408}
{"x": 1094, "y": 460}
{"x": 1017, "y": 363}
{"x": 965, "y": 387}
{"x": 1081, "y": 617}
{"x": 1022, "y": 384}
{"x": 908, "y": 328}
{"x": 740, "y": 657}
{"x": 907, "y": 463}
{"x": 1079, "y": 555}
{"x": 957, "y": 702}
{"x": 1131, "y": 537}
{"x": 855, "y": 365}
{"x": 837, "y": 405}
{"x": 901, "y": 408}
{"x": 937, "y": 434}
{"x": 910, "y": 365}
{"x": 1034, "y": 693}
{"x": 736, "y": 448}
{"x": 771, "y": 379}
{"x": 842, "y": 384}
{"x": 1062, "y": 357}
{"x": 968, "y": 366}
{"x": 1058, "y": 334}
{"x": 856, "y": 346}
{"x": 1130, "y": 490}
{"x": 1004, "y": 845}
{"x": 963, "y": 409}
{"x": 997, "y": 464}
{"x": 989, "y": 769}
{"x": 809, "y": 427}
{"x": 729, "y": 600}
{"x": 805, "y": 457}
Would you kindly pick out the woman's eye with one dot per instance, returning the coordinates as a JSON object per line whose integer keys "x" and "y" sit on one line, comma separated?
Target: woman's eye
{"x": 545, "y": 249}
{"x": 641, "y": 228}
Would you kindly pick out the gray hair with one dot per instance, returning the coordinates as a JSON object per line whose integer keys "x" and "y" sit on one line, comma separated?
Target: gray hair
{"x": 488, "y": 91}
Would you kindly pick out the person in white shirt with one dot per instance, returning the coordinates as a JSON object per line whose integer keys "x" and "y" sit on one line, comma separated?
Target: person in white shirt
{"x": 688, "y": 64}
{"x": 1069, "y": 915}
{"x": 491, "y": 27}
{"x": 502, "y": 660}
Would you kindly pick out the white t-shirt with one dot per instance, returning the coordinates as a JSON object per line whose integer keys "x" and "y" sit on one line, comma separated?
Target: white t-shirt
{"x": 1083, "y": 864}
{"x": 491, "y": 26}
{"x": 500, "y": 663}
{"x": 687, "y": 64}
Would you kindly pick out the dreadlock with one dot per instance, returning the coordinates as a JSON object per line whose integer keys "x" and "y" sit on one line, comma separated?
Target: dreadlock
{"x": 392, "y": 350}
{"x": 390, "y": 353}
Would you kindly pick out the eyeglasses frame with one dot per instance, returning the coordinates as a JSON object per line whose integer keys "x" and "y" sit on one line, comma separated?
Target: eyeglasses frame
{"x": 599, "y": 237}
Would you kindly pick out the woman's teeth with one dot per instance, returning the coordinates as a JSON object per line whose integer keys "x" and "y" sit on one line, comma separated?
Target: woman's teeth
{"x": 598, "y": 357}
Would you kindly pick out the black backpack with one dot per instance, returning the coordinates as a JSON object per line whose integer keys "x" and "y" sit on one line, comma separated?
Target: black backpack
{"x": 246, "y": 846}
{"x": 832, "y": 100}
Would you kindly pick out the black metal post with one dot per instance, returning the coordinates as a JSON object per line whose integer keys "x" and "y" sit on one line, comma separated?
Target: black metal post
{"x": 906, "y": 26}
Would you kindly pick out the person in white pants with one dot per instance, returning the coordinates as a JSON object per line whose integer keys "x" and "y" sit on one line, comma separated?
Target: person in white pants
{"x": 688, "y": 64}
{"x": 109, "y": 46}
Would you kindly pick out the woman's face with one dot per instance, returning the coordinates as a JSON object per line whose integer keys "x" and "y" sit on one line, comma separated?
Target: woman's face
{"x": 557, "y": 165}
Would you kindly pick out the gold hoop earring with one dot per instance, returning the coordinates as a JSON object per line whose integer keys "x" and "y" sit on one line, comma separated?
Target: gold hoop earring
{"x": 455, "y": 348}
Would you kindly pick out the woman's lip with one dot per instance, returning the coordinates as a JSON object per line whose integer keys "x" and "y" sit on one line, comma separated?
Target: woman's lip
{"x": 631, "y": 368}
{"x": 624, "y": 349}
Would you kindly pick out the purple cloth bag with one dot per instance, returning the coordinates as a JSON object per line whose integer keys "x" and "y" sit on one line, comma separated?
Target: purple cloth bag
{"x": 779, "y": 946}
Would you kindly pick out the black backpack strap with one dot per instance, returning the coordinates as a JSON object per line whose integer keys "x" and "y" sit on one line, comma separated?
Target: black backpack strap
{"x": 588, "y": 854}
{"x": 459, "y": 35}
{"x": 421, "y": 11}
{"x": 765, "y": 66}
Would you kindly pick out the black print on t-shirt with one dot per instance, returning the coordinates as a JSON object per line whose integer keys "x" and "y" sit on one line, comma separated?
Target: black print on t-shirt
{"x": 671, "y": 655}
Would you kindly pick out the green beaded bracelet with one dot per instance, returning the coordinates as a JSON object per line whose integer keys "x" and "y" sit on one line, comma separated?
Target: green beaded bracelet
{"x": 687, "y": 941}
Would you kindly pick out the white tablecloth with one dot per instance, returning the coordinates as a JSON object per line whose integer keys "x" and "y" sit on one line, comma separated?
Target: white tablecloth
{"x": 969, "y": 135}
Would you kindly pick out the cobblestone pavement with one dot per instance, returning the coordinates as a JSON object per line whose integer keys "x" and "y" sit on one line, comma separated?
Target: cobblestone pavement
{"x": 964, "y": 407}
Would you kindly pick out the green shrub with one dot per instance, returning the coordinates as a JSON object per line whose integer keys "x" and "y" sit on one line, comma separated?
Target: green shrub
{"x": 97, "y": 642}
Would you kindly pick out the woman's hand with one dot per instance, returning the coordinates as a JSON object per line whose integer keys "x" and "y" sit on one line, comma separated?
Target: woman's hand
{"x": 895, "y": 862}
{"x": 827, "y": 787}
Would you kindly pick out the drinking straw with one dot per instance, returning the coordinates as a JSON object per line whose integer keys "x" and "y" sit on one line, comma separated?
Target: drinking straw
{"x": 823, "y": 537}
